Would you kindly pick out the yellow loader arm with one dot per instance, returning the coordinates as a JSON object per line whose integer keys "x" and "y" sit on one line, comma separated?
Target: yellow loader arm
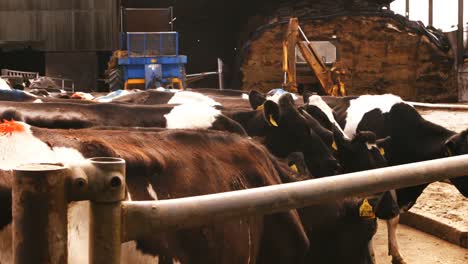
{"x": 330, "y": 79}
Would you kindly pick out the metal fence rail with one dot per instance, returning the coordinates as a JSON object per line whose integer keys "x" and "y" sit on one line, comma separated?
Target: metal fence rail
{"x": 12, "y": 73}
{"x": 115, "y": 221}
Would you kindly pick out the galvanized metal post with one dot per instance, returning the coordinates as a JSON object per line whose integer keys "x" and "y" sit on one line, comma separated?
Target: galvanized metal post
{"x": 431, "y": 13}
{"x": 108, "y": 189}
{"x": 40, "y": 214}
{"x": 407, "y": 9}
{"x": 460, "y": 47}
{"x": 220, "y": 74}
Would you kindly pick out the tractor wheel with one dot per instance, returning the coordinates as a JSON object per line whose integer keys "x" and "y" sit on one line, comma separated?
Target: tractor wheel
{"x": 115, "y": 79}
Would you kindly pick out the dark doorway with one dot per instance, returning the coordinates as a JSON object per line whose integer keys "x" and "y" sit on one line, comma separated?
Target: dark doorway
{"x": 23, "y": 60}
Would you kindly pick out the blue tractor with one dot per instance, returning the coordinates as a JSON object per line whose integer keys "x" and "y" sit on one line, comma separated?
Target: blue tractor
{"x": 147, "y": 59}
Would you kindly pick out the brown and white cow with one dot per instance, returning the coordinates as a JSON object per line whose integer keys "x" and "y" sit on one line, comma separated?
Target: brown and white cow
{"x": 165, "y": 165}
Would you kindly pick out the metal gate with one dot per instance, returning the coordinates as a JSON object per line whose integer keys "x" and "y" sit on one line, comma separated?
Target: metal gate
{"x": 41, "y": 194}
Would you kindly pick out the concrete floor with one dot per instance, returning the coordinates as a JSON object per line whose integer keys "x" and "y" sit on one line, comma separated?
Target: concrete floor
{"x": 418, "y": 247}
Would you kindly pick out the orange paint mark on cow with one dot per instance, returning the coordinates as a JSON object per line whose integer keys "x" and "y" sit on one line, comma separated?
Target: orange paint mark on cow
{"x": 9, "y": 127}
{"x": 76, "y": 96}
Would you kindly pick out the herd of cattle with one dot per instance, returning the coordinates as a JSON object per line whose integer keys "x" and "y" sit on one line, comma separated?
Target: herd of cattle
{"x": 188, "y": 143}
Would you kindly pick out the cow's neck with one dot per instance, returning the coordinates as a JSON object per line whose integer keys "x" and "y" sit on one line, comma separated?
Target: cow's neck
{"x": 251, "y": 120}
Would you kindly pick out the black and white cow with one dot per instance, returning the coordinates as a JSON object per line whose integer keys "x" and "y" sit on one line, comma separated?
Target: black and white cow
{"x": 225, "y": 99}
{"x": 413, "y": 139}
{"x": 69, "y": 115}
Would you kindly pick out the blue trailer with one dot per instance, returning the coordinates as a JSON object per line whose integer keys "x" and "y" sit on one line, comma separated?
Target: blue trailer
{"x": 148, "y": 59}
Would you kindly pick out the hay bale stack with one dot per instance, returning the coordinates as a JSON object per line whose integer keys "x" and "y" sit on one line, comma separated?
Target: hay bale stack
{"x": 384, "y": 53}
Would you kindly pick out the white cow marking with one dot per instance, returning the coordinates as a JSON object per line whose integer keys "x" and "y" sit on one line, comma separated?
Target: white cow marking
{"x": 360, "y": 106}
{"x": 275, "y": 97}
{"x": 23, "y": 147}
{"x": 112, "y": 96}
{"x": 37, "y": 101}
{"x": 317, "y": 101}
{"x": 4, "y": 85}
{"x": 151, "y": 191}
{"x": 193, "y": 115}
{"x": 185, "y": 97}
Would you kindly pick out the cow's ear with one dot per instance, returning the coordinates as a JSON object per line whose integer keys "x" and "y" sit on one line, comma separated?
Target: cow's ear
{"x": 256, "y": 99}
{"x": 271, "y": 113}
{"x": 383, "y": 144}
{"x": 306, "y": 95}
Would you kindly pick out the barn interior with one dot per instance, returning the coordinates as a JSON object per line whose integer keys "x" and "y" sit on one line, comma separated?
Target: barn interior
{"x": 383, "y": 52}
{"x": 116, "y": 155}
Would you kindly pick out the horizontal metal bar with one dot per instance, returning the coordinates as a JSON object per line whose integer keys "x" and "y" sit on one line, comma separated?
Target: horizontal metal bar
{"x": 148, "y": 217}
{"x": 440, "y": 106}
{"x": 151, "y": 33}
{"x": 155, "y": 9}
{"x": 201, "y": 74}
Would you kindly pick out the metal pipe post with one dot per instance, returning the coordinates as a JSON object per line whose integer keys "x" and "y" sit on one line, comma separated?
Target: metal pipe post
{"x": 108, "y": 189}
{"x": 149, "y": 217}
{"x": 40, "y": 214}
{"x": 431, "y": 13}
{"x": 407, "y": 9}
{"x": 220, "y": 74}
{"x": 460, "y": 46}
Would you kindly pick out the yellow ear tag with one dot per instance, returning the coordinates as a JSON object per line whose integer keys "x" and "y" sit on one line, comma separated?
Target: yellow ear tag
{"x": 294, "y": 168}
{"x": 382, "y": 151}
{"x": 260, "y": 107}
{"x": 366, "y": 210}
{"x": 334, "y": 146}
{"x": 273, "y": 122}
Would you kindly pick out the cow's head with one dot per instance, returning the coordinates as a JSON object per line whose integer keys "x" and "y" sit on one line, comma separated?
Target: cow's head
{"x": 256, "y": 99}
{"x": 458, "y": 145}
{"x": 360, "y": 153}
{"x": 290, "y": 131}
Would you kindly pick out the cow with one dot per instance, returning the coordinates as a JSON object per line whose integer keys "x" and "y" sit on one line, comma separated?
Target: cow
{"x": 413, "y": 139}
{"x": 341, "y": 232}
{"x": 284, "y": 130}
{"x": 226, "y": 99}
{"x": 61, "y": 115}
{"x": 164, "y": 165}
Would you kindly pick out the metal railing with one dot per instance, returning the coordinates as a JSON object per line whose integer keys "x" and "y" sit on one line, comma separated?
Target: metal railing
{"x": 199, "y": 76}
{"x": 149, "y": 44}
{"x": 63, "y": 83}
{"x": 12, "y": 73}
{"x": 40, "y": 190}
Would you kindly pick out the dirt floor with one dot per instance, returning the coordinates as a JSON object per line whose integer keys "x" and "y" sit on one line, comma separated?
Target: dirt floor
{"x": 442, "y": 202}
{"x": 418, "y": 247}
{"x": 454, "y": 120}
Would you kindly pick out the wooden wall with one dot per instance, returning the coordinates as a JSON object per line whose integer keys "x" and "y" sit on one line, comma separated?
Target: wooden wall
{"x": 61, "y": 25}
